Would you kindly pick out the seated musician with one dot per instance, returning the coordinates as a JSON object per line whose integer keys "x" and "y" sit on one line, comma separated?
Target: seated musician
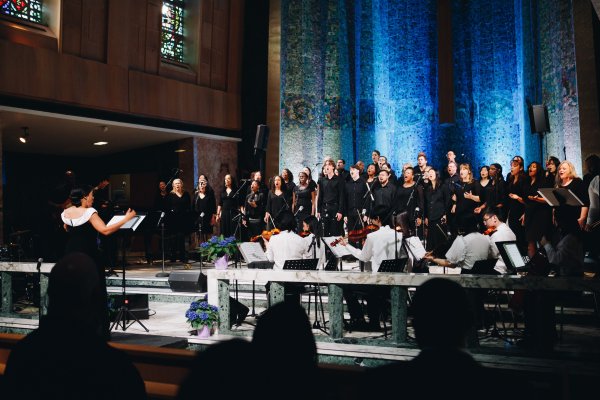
{"x": 469, "y": 247}
{"x": 378, "y": 246}
{"x": 498, "y": 232}
{"x": 286, "y": 245}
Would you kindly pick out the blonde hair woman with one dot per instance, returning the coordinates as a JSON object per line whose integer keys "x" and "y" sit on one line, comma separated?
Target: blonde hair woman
{"x": 178, "y": 221}
{"x": 466, "y": 195}
{"x": 567, "y": 178}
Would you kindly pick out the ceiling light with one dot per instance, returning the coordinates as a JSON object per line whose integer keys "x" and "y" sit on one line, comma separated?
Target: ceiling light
{"x": 180, "y": 151}
{"x": 24, "y": 137}
{"x": 100, "y": 143}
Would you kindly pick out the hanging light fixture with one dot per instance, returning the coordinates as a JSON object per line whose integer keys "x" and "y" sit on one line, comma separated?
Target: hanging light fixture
{"x": 25, "y": 135}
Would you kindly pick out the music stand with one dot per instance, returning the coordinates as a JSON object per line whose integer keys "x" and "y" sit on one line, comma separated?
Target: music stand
{"x": 556, "y": 197}
{"x": 307, "y": 264}
{"x": 511, "y": 255}
{"x": 255, "y": 258}
{"x": 338, "y": 250}
{"x": 393, "y": 265}
{"x": 125, "y": 318}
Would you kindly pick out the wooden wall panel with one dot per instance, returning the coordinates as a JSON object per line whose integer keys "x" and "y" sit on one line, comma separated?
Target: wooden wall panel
{"x": 183, "y": 101}
{"x": 235, "y": 47}
{"x": 105, "y": 86}
{"x": 153, "y": 27}
{"x": 206, "y": 33}
{"x": 220, "y": 41}
{"x": 94, "y": 29}
{"x": 137, "y": 35}
{"x": 120, "y": 33}
{"x": 40, "y": 66}
{"x": 71, "y": 27}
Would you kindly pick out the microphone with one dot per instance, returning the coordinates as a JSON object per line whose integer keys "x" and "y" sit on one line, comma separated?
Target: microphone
{"x": 202, "y": 214}
{"x": 39, "y": 264}
{"x": 298, "y": 210}
{"x": 245, "y": 180}
{"x": 364, "y": 211}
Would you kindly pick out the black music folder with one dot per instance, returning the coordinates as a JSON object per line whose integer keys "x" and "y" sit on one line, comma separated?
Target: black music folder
{"x": 560, "y": 196}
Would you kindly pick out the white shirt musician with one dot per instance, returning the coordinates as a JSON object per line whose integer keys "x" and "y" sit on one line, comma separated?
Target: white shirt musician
{"x": 286, "y": 245}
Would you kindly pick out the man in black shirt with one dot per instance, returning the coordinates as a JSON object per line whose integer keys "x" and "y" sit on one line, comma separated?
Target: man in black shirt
{"x": 254, "y": 209}
{"x": 384, "y": 196}
{"x": 341, "y": 170}
{"x": 357, "y": 199}
{"x": 330, "y": 202}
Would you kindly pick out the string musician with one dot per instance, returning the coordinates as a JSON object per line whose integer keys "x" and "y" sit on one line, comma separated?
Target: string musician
{"x": 378, "y": 246}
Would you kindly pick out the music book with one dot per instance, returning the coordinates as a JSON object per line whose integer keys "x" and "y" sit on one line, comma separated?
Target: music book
{"x": 252, "y": 252}
{"x": 338, "y": 250}
{"x": 560, "y": 196}
{"x": 416, "y": 247}
{"x": 132, "y": 224}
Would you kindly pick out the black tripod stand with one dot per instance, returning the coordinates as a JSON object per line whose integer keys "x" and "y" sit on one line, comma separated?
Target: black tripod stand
{"x": 125, "y": 318}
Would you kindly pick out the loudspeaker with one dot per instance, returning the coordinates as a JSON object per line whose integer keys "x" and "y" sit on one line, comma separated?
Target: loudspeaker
{"x": 261, "y": 140}
{"x": 137, "y": 304}
{"x": 187, "y": 281}
{"x": 538, "y": 118}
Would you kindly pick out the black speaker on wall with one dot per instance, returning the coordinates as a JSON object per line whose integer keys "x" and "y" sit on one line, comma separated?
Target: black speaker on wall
{"x": 538, "y": 118}
{"x": 261, "y": 140}
{"x": 187, "y": 281}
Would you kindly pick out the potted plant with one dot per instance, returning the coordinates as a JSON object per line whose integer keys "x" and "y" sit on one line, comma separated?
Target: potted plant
{"x": 218, "y": 249}
{"x": 202, "y": 316}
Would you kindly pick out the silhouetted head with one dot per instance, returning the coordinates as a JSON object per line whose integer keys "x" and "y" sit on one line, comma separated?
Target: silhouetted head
{"x": 442, "y": 314}
{"x": 284, "y": 338}
{"x": 74, "y": 290}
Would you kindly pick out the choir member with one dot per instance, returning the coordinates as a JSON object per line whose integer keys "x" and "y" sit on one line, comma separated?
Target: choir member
{"x": 484, "y": 181}
{"x": 437, "y": 202}
{"x": 254, "y": 209}
{"x": 277, "y": 205}
{"x": 330, "y": 201}
{"x": 229, "y": 205}
{"x": 567, "y": 178}
{"x": 515, "y": 202}
{"x": 551, "y": 168}
{"x": 466, "y": 196}
{"x": 179, "y": 204}
{"x": 384, "y": 194}
{"x": 288, "y": 184}
{"x": 538, "y": 215}
{"x": 409, "y": 199}
{"x": 303, "y": 202}
{"x": 205, "y": 208}
{"x": 356, "y": 200}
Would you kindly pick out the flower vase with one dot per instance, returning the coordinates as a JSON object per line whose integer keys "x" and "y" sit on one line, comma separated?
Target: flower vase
{"x": 221, "y": 262}
{"x": 203, "y": 332}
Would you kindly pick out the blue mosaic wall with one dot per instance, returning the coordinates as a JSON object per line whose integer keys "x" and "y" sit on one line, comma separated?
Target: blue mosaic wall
{"x": 359, "y": 75}
{"x": 559, "y": 79}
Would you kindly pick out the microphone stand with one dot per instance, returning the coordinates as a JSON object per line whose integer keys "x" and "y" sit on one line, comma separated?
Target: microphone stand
{"x": 410, "y": 199}
{"x": 161, "y": 223}
{"x": 39, "y": 270}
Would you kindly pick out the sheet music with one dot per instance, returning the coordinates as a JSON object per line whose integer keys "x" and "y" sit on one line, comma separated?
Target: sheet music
{"x": 550, "y": 195}
{"x": 252, "y": 252}
{"x": 416, "y": 247}
{"x": 132, "y": 224}
{"x": 338, "y": 250}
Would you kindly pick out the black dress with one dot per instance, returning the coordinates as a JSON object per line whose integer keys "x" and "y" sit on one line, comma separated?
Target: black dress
{"x": 229, "y": 209}
{"x": 208, "y": 206}
{"x": 570, "y": 214}
{"x": 82, "y": 238}
{"x": 516, "y": 209}
{"x": 436, "y": 203}
{"x": 179, "y": 223}
{"x": 276, "y": 206}
{"x": 304, "y": 200}
{"x": 538, "y": 216}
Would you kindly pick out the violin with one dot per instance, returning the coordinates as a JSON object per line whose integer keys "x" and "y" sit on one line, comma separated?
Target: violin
{"x": 358, "y": 234}
{"x": 265, "y": 235}
{"x": 489, "y": 231}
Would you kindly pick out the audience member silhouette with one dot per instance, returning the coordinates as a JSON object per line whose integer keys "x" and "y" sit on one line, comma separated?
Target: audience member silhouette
{"x": 67, "y": 356}
{"x": 213, "y": 369}
{"x": 287, "y": 352}
{"x": 442, "y": 318}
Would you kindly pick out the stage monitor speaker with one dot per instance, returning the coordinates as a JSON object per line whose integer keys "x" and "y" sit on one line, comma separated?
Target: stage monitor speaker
{"x": 538, "y": 118}
{"x": 137, "y": 304}
{"x": 261, "y": 140}
{"x": 187, "y": 281}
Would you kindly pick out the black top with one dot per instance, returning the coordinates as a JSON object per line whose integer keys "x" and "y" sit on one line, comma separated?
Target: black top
{"x": 331, "y": 195}
{"x": 437, "y": 201}
{"x": 494, "y": 193}
{"x": 355, "y": 196}
{"x": 577, "y": 186}
{"x": 463, "y": 205}
{"x": 207, "y": 205}
{"x": 160, "y": 202}
{"x": 276, "y": 205}
{"x": 288, "y": 190}
{"x": 515, "y": 208}
{"x": 82, "y": 239}
{"x": 304, "y": 198}
{"x": 384, "y": 196}
{"x": 228, "y": 202}
{"x": 409, "y": 198}
{"x": 257, "y": 212}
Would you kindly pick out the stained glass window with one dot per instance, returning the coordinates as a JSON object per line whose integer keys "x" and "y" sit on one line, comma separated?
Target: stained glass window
{"x": 172, "y": 30}
{"x": 29, "y": 10}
